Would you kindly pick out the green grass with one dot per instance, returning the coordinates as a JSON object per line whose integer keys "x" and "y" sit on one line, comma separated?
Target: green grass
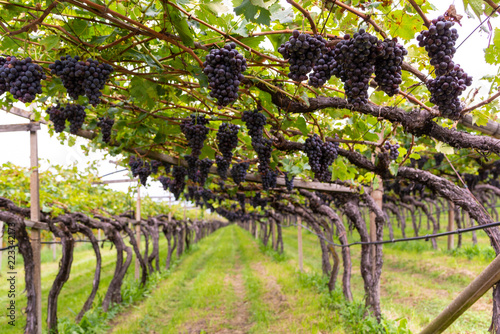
{"x": 76, "y": 290}
{"x": 229, "y": 281}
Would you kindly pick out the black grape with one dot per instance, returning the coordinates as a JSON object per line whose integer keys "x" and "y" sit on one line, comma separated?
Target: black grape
{"x": 355, "y": 63}
{"x": 227, "y": 139}
{"x": 203, "y": 169}
{"x": 82, "y": 78}
{"x": 222, "y": 166}
{"x": 74, "y": 113}
{"x": 439, "y": 42}
{"x": 302, "y": 51}
{"x": 106, "y": 124}
{"x": 254, "y": 121}
{"x": 393, "y": 150}
{"x": 323, "y": 69}
{"x": 166, "y": 182}
{"x": 321, "y": 156}
{"x": 21, "y": 78}
{"x": 58, "y": 117}
{"x": 446, "y": 89}
{"x": 289, "y": 181}
{"x": 155, "y": 164}
{"x": 179, "y": 173}
{"x": 269, "y": 180}
{"x": 195, "y": 129}
{"x": 388, "y": 66}
{"x": 241, "y": 199}
{"x": 140, "y": 168}
{"x": 239, "y": 172}
{"x": 192, "y": 168}
{"x": 223, "y": 68}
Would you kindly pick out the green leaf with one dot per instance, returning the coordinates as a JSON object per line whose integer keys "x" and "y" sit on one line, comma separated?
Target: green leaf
{"x": 182, "y": 28}
{"x": 250, "y": 11}
{"x": 50, "y": 42}
{"x": 77, "y": 26}
{"x": 281, "y": 14}
{"x": 302, "y": 125}
{"x": 215, "y": 7}
{"x": 444, "y": 148}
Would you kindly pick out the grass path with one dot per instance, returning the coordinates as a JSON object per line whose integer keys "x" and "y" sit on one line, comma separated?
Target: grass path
{"x": 228, "y": 286}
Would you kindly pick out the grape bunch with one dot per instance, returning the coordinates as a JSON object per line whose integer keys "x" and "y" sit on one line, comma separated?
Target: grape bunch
{"x": 167, "y": 166}
{"x": 323, "y": 69}
{"x": 393, "y": 150}
{"x": 302, "y": 52}
{"x": 3, "y": 84}
{"x": 388, "y": 66}
{"x": 177, "y": 187}
{"x": 74, "y": 113}
{"x": 289, "y": 181}
{"x": 263, "y": 148}
{"x": 192, "y": 169}
{"x": 258, "y": 201}
{"x": 241, "y": 199}
{"x": 203, "y": 170}
{"x": 269, "y": 180}
{"x": 223, "y": 68}
{"x": 166, "y": 182}
{"x": 321, "y": 155}
{"x": 195, "y": 129}
{"x": 82, "y": 78}
{"x": 222, "y": 166}
{"x": 140, "y": 168}
{"x": 355, "y": 63}
{"x": 239, "y": 172}
{"x": 155, "y": 165}
{"x": 438, "y": 157}
{"x": 255, "y": 122}
{"x": 446, "y": 89}
{"x": 439, "y": 42}
{"x": 21, "y": 78}
{"x": 227, "y": 139}
{"x": 106, "y": 124}
{"x": 58, "y": 117}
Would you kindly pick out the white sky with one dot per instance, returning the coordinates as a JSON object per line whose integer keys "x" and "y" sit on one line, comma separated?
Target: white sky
{"x": 15, "y": 146}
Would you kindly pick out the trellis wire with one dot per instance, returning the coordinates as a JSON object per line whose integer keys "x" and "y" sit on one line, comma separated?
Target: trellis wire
{"x": 423, "y": 237}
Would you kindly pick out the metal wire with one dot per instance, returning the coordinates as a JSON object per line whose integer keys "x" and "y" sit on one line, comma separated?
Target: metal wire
{"x": 423, "y": 237}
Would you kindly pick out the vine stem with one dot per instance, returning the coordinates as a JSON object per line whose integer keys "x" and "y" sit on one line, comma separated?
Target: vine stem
{"x": 365, "y": 17}
{"x": 306, "y": 14}
{"x": 419, "y": 11}
{"x": 260, "y": 54}
{"x": 409, "y": 151}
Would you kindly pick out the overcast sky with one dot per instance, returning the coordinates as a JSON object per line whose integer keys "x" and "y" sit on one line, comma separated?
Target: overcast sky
{"x": 15, "y": 146}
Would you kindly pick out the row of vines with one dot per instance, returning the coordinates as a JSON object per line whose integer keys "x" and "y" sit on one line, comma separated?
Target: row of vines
{"x": 272, "y": 108}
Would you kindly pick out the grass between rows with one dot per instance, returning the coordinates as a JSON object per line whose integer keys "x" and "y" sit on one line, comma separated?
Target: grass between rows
{"x": 225, "y": 283}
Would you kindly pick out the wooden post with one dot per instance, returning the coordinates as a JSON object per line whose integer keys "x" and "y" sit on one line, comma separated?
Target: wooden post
{"x": 138, "y": 230}
{"x": 273, "y": 229}
{"x": 35, "y": 233}
{"x": 451, "y": 219}
{"x": 477, "y": 288}
{"x": 377, "y": 195}
{"x": 256, "y": 229}
{"x": 1, "y": 245}
{"x": 299, "y": 239}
